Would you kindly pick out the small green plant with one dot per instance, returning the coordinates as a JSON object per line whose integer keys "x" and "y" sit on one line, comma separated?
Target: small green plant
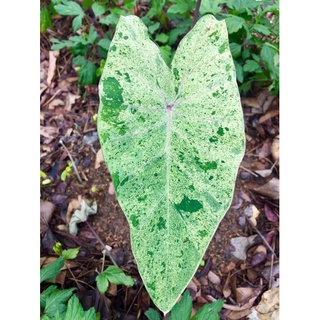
{"x": 114, "y": 275}
{"x": 95, "y": 117}
{"x": 94, "y": 189}
{"x": 253, "y": 28}
{"x": 62, "y": 303}
{"x": 45, "y": 20}
{"x": 57, "y": 303}
{"x": 44, "y": 180}
{"x": 182, "y": 310}
{"x": 67, "y": 171}
{"x": 88, "y": 49}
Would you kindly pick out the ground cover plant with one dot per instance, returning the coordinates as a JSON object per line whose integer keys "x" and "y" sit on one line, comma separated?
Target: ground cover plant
{"x": 61, "y": 303}
{"x": 241, "y": 264}
{"x": 253, "y": 28}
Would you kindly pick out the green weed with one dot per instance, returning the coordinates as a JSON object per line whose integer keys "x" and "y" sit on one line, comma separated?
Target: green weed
{"x": 253, "y": 28}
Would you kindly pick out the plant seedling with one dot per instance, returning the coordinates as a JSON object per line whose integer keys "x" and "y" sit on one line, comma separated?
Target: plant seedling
{"x": 45, "y": 180}
{"x": 67, "y": 171}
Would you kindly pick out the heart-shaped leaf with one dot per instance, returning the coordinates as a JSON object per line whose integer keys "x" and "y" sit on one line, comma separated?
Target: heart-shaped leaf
{"x": 172, "y": 139}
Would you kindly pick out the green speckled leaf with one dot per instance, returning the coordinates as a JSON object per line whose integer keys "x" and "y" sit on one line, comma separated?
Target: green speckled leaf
{"x": 172, "y": 140}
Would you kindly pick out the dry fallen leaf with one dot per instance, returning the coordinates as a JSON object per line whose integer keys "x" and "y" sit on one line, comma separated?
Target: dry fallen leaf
{"x": 262, "y": 96}
{"x": 272, "y": 273}
{"x": 270, "y": 189}
{"x": 241, "y": 245}
{"x": 268, "y": 307}
{"x": 112, "y": 289}
{"x": 111, "y": 188}
{"x": 46, "y": 210}
{"x": 192, "y": 285}
{"x": 49, "y": 132}
{"x": 247, "y": 305}
{"x": 70, "y": 100}
{"x": 253, "y": 315}
{"x": 268, "y": 103}
{"x": 45, "y": 261}
{"x": 252, "y": 213}
{"x": 196, "y": 281}
{"x": 270, "y": 215}
{"x": 226, "y": 290}
{"x": 44, "y": 70}
{"x": 264, "y": 152}
{"x": 43, "y": 87}
{"x": 203, "y": 280}
{"x": 244, "y": 294}
{"x": 257, "y": 165}
{"x": 249, "y": 138}
{"x": 244, "y": 196}
{"x": 259, "y": 255}
{"x": 55, "y": 102}
{"x": 99, "y": 159}
{"x": 200, "y": 298}
{"x": 235, "y": 315}
{"x": 265, "y": 173}
{"x": 61, "y": 278}
{"x": 250, "y": 102}
{"x": 53, "y": 55}
{"x": 74, "y": 204}
{"x": 274, "y": 149}
{"x": 270, "y": 114}
{"x": 213, "y": 278}
{"x": 251, "y": 274}
{"x": 226, "y": 269}
{"x": 64, "y": 85}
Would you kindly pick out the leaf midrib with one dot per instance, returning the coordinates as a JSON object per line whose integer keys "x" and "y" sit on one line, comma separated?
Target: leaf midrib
{"x": 168, "y": 168}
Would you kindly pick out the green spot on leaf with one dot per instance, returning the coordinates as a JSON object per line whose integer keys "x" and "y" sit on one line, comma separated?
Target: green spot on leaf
{"x": 162, "y": 223}
{"x": 220, "y": 131}
{"x": 189, "y": 205}
{"x": 134, "y": 220}
{"x": 203, "y": 233}
{"x": 176, "y": 74}
{"x": 223, "y": 47}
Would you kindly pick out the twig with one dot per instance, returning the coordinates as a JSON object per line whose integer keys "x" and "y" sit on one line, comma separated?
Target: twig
{"x": 73, "y": 163}
{"x": 271, "y": 266}
{"x": 262, "y": 237}
{"x": 53, "y": 96}
{"x": 256, "y": 147}
{"x": 135, "y": 297}
{"x": 105, "y": 250}
{"x": 65, "y": 65}
{"x": 196, "y": 13}
{"x": 245, "y": 169}
{"x": 73, "y": 277}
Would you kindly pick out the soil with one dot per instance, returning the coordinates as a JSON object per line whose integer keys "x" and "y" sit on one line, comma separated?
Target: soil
{"x": 67, "y": 115}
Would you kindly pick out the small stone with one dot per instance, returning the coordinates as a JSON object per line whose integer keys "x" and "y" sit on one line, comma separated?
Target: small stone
{"x": 213, "y": 278}
{"x": 203, "y": 281}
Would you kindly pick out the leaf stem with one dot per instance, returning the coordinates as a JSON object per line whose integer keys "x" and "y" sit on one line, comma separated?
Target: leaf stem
{"x": 73, "y": 163}
{"x": 135, "y": 297}
{"x": 196, "y": 13}
{"x": 263, "y": 238}
{"x": 105, "y": 248}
